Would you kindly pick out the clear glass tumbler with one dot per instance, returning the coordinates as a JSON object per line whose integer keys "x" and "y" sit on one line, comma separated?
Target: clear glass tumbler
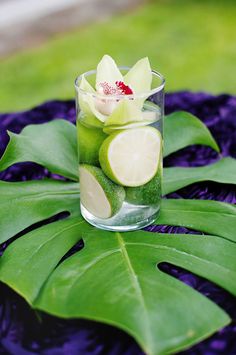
{"x": 120, "y": 155}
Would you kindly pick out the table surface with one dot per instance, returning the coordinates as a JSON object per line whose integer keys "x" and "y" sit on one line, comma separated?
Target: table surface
{"x": 23, "y": 331}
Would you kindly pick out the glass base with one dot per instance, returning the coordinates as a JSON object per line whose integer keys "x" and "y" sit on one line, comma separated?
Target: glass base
{"x": 128, "y": 214}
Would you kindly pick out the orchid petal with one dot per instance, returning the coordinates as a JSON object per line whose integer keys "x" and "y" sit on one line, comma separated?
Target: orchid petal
{"x": 87, "y": 101}
{"x": 107, "y": 71}
{"x": 146, "y": 120}
{"x": 85, "y": 86}
{"x": 125, "y": 112}
{"x": 139, "y": 77}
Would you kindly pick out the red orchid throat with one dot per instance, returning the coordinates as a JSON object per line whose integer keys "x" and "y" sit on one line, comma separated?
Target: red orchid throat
{"x": 119, "y": 89}
{"x": 125, "y": 89}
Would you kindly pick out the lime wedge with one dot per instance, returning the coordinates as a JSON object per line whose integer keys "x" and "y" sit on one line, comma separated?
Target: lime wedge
{"x": 89, "y": 141}
{"x": 147, "y": 194}
{"x": 131, "y": 157}
{"x": 99, "y": 195}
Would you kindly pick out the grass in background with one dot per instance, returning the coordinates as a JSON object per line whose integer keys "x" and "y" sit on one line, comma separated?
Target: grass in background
{"x": 191, "y": 42}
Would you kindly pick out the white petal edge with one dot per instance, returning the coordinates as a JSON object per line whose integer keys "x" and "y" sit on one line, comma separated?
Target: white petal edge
{"x": 107, "y": 71}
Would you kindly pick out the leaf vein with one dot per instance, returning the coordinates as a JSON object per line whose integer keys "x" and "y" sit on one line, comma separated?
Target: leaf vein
{"x": 136, "y": 285}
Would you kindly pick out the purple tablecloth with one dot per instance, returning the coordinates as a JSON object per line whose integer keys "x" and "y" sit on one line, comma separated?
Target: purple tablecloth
{"x": 25, "y": 332}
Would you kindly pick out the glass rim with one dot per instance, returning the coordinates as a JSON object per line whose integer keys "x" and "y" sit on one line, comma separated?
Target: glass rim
{"x": 144, "y": 94}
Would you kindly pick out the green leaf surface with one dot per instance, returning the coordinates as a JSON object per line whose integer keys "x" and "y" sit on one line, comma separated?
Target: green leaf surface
{"x": 25, "y": 203}
{"x": 212, "y": 217}
{"x": 52, "y": 145}
{"x": 182, "y": 129}
{"x": 115, "y": 279}
{"x": 223, "y": 171}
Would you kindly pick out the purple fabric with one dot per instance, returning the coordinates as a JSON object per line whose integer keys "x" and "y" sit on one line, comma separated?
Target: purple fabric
{"x": 23, "y": 331}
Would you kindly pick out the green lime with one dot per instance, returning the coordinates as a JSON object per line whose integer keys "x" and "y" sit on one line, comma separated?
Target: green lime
{"x": 89, "y": 142}
{"x": 98, "y": 194}
{"x": 147, "y": 194}
{"x": 131, "y": 157}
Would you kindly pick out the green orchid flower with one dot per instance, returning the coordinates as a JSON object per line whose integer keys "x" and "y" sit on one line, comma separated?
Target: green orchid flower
{"x": 113, "y": 101}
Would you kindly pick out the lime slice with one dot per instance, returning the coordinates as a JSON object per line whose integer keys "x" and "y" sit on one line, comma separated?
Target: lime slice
{"x": 148, "y": 194}
{"x": 99, "y": 195}
{"x": 89, "y": 141}
{"x": 131, "y": 157}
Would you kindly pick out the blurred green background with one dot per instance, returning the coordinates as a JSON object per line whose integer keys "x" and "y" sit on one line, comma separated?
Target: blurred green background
{"x": 193, "y": 43}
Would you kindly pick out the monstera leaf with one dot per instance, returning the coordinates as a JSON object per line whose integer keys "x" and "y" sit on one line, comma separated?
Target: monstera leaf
{"x": 115, "y": 277}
